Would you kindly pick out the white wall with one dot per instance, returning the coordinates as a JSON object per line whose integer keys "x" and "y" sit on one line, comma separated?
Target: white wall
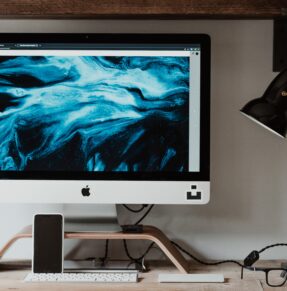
{"x": 249, "y": 164}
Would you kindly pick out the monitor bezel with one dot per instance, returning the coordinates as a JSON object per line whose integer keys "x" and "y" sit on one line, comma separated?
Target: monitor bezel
{"x": 202, "y": 39}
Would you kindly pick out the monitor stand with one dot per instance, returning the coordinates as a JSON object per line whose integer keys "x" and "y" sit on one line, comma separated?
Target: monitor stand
{"x": 90, "y": 222}
{"x": 91, "y": 217}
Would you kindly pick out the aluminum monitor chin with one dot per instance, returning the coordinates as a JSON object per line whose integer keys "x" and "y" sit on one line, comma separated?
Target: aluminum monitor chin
{"x": 105, "y": 118}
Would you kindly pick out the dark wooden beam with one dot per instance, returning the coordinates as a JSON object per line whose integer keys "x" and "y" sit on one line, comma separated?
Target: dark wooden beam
{"x": 143, "y": 9}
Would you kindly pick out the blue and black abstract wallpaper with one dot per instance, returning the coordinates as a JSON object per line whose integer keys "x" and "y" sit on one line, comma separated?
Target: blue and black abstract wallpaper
{"x": 90, "y": 113}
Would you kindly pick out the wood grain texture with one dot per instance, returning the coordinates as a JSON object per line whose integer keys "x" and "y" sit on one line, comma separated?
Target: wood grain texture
{"x": 26, "y": 232}
{"x": 155, "y": 9}
{"x": 253, "y": 281}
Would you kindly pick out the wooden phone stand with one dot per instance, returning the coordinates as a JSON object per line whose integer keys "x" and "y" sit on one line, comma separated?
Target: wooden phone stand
{"x": 149, "y": 233}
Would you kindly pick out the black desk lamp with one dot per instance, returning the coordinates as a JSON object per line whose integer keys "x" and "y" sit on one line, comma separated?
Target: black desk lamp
{"x": 270, "y": 110}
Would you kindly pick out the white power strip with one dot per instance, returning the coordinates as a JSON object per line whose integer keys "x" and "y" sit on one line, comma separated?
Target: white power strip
{"x": 190, "y": 278}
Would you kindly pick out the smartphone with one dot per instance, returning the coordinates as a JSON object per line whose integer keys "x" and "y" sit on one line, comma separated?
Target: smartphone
{"x": 48, "y": 237}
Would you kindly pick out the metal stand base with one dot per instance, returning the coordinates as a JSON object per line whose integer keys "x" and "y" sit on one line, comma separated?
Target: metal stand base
{"x": 91, "y": 218}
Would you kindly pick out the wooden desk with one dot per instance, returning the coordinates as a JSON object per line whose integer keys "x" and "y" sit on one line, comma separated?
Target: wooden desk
{"x": 253, "y": 281}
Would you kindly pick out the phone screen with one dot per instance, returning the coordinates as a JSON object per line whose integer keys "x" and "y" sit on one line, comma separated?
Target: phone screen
{"x": 48, "y": 243}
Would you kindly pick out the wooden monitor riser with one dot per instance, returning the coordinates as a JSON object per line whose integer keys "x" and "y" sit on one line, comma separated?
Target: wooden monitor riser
{"x": 149, "y": 233}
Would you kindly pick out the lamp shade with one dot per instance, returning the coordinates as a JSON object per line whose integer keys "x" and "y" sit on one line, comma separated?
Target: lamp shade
{"x": 270, "y": 110}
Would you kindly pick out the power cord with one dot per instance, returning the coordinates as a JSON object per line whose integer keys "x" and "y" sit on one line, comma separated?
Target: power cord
{"x": 255, "y": 255}
{"x": 104, "y": 258}
{"x": 248, "y": 261}
{"x": 175, "y": 244}
{"x": 135, "y": 210}
{"x": 145, "y": 215}
{"x": 203, "y": 262}
{"x": 140, "y": 258}
{"x": 272, "y": 246}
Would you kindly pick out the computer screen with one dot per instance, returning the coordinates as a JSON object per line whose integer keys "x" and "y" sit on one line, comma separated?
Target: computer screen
{"x": 102, "y": 110}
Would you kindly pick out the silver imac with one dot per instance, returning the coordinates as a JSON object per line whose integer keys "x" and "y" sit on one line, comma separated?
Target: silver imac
{"x": 105, "y": 118}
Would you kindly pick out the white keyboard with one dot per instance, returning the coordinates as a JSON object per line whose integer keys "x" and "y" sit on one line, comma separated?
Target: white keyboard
{"x": 88, "y": 277}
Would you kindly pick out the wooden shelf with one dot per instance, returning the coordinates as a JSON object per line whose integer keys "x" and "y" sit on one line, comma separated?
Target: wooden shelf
{"x": 143, "y": 9}
{"x": 149, "y": 233}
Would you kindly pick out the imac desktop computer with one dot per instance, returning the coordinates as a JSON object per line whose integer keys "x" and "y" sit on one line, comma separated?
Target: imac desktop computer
{"x": 105, "y": 118}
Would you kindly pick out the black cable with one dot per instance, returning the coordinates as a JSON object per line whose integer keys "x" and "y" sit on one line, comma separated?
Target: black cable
{"x": 254, "y": 256}
{"x": 185, "y": 251}
{"x": 149, "y": 247}
{"x": 138, "y": 259}
{"x": 174, "y": 243}
{"x": 144, "y": 216}
{"x": 104, "y": 258}
{"x": 272, "y": 246}
{"x": 135, "y": 210}
{"x": 203, "y": 262}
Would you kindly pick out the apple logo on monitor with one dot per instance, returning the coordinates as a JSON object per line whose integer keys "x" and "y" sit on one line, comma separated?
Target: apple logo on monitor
{"x": 86, "y": 191}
